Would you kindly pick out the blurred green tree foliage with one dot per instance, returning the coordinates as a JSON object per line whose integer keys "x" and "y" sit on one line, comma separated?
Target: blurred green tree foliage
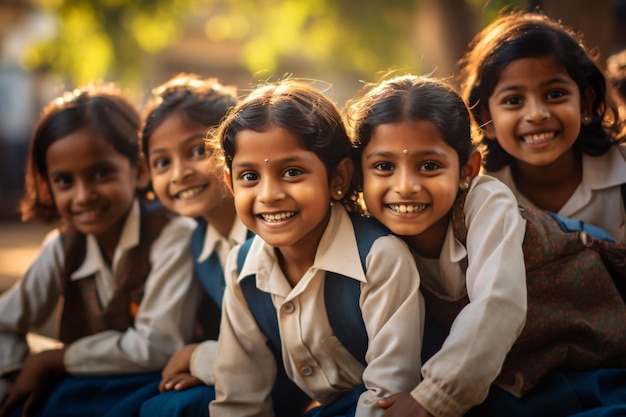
{"x": 108, "y": 38}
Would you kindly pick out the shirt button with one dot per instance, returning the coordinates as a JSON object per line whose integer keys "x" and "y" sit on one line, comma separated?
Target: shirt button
{"x": 306, "y": 370}
{"x": 288, "y": 308}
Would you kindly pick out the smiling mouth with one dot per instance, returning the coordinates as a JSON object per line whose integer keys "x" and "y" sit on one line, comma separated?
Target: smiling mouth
{"x": 407, "y": 208}
{"x": 88, "y": 215}
{"x": 538, "y": 138}
{"x": 190, "y": 192}
{"x": 277, "y": 217}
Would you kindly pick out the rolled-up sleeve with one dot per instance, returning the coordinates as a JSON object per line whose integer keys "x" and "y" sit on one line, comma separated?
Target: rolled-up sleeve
{"x": 459, "y": 375}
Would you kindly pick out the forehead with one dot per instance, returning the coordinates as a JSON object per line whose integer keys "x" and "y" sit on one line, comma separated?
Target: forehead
{"x": 80, "y": 150}
{"x": 275, "y": 143}
{"x": 175, "y": 128}
{"x": 407, "y": 135}
{"x": 534, "y": 70}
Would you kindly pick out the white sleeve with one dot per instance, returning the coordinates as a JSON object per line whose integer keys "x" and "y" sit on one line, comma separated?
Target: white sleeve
{"x": 245, "y": 368}
{"x": 393, "y": 311}
{"x": 30, "y": 302}
{"x": 459, "y": 375}
{"x": 202, "y": 362}
{"x": 165, "y": 318}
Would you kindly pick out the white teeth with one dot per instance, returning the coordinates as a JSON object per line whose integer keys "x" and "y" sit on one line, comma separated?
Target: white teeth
{"x": 189, "y": 192}
{"x": 88, "y": 215}
{"x": 276, "y": 217}
{"x": 538, "y": 138}
{"x": 407, "y": 208}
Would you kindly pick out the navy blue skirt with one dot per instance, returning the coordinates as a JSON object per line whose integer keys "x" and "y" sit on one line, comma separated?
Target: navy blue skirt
{"x": 563, "y": 393}
{"x": 108, "y": 396}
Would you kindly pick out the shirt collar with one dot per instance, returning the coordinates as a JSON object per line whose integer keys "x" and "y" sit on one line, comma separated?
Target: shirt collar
{"x": 129, "y": 238}
{"x": 237, "y": 235}
{"x": 337, "y": 252}
{"x": 605, "y": 171}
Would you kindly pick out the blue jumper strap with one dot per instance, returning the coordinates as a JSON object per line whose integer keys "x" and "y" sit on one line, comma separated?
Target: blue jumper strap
{"x": 341, "y": 297}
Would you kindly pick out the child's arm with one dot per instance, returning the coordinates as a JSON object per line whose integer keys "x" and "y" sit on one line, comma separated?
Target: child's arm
{"x": 32, "y": 380}
{"x": 402, "y": 405}
{"x": 393, "y": 314}
{"x": 163, "y": 322}
{"x": 176, "y": 374}
{"x": 459, "y": 375}
{"x": 29, "y": 303}
{"x": 245, "y": 368}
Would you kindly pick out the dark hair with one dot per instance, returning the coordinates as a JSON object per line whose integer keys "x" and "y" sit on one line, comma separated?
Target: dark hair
{"x": 522, "y": 34}
{"x": 104, "y": 111}
{"x": 412, "y": 98}
{"x": 298, "y": 108}
{"x": 204, "y": 101}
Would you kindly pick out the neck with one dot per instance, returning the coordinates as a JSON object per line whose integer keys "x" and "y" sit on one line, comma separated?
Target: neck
{"x": 549, "y": 187}
{"x": 222, "y": 218}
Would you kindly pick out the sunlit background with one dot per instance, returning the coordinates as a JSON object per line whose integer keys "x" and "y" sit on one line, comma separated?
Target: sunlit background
{"x": 47, "y": 46}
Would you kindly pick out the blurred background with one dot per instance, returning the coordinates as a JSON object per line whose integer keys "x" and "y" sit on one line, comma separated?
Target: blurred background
{"x": 48, "y": 46}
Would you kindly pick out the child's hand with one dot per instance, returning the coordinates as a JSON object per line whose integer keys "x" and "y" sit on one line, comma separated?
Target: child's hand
{"x": 32, "y": 381}
{"x": 402, "y": 405}
{"x": 179, "y": 362}
{"x": 178, "y": 382}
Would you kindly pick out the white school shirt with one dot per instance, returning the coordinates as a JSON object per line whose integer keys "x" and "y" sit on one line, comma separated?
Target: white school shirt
{"x": 202, "y": 361}
{"x": 163, "y": 323}
{"x": 459, "y": 375}
{"x": 313, "y": 356}
{"x": 598, "y": 198}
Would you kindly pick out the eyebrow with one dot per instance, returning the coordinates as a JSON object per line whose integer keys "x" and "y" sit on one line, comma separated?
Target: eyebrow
{"x": 185, "y": 140}
{"x": 555, "y": 80}
{"x": 424, "y": 153}
{"x": 283, "y": 161}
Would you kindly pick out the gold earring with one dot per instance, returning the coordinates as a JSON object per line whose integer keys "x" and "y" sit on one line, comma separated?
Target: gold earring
{"x": 339, "y": 193}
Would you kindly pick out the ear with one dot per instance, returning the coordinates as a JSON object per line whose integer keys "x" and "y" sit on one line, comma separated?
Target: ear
{"x": 228, "y": 179}
{"x": 487, "y": 124}
{"x": 471, "y": 169}
{"x": 142, "y": 174}
{"x": 340, "y": 182}
{"x": 586, "y": 105}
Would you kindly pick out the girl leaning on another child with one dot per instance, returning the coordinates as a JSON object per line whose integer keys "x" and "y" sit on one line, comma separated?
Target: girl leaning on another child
{"x": 119, "y": 267}
{"x": 521, "y": 315}
{"x": 287, "y": 158}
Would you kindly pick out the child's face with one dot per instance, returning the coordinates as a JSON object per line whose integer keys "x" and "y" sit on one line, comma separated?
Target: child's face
{"x": 184, "y": 179}
{"x": 535, "y": 110}
{"x": 410, "y": 178}
{"x": 281, "y": 190}
{"x": 93, "y": 186}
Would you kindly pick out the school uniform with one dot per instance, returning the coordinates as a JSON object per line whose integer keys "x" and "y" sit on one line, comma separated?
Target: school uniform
{"x": 598, "y": 200}
{"x": 162, "y": 319}
{"x": 312, "y": 355}
{"x": 458, "y": 376}
{"x": 210, "y": 250}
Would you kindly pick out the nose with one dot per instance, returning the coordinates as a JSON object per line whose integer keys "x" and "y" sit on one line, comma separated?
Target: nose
{"x": 84, "y": 192}
{"x": 270, "y": 191}
{"x": 407, "y": 183}
{"x": 180, "y": 171}
{"x": 537, "y": 111}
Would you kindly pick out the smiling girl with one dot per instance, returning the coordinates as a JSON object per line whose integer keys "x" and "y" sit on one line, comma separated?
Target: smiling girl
{"x": 545, "y": 121}
{"x": 119, "y": 268}
{"x": 288, "y": 164}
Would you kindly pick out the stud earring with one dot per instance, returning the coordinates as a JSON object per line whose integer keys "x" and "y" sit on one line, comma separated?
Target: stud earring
{"x": 339, "y": 193}
{"x": 466, "y": 185}
{"x": 586, "y": 119}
